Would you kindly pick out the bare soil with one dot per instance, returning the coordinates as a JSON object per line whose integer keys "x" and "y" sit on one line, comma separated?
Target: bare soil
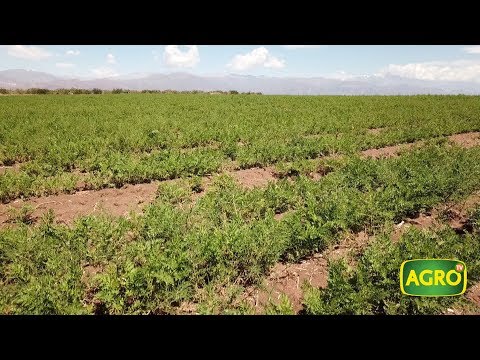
{"x": 455, "y": 214}
{"x": 473, "y": 294}
{"x": 388, "y": 151}
{"x": 288, "y": 279}
{"x": 117, "y": 202}
{"x": 254, "y": 177}
{"x": 280, "y": 216}
{"x": 316, "y": 176}
{"x": 466, "y": 140}
{"x": 89, "y": 271}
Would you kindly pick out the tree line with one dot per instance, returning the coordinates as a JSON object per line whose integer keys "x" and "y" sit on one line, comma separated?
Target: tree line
{"x": 74, "y": 91}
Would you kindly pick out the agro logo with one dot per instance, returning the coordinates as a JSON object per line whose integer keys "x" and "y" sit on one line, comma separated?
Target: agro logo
{"x": 433, "y": 277}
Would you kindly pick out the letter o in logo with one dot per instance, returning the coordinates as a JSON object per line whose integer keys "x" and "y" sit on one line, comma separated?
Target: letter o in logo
{"x": 449, "y": 280}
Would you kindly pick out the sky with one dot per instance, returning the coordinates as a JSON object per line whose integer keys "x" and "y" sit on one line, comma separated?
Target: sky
{"x": 427, "y": 62}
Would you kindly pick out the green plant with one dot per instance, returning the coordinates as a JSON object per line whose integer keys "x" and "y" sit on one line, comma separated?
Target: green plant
{"x": 22, "y": 215}
{"x": 283, "y": 307}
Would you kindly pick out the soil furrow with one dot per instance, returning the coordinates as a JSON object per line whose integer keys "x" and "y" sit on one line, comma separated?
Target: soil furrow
{"x": 120, "y": 201}
{"x": 67, "y": 207}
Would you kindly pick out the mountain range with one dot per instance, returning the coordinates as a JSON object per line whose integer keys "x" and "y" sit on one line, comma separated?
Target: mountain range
{"x": 360, "y": 85}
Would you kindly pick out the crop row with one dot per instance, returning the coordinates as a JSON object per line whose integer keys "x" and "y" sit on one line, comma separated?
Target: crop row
{"x": 80, "y": 127}
{"x": 226, "y": 240}
{"x": 132, "y": 138}
{"x": 113, "y": 169}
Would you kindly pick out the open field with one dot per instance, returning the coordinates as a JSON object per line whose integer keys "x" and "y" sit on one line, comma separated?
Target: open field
{"x": 178, "y": 203}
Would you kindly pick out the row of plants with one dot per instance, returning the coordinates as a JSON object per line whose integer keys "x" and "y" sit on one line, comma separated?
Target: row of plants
{"x": 59, "y": 170}
{"x": 208, "y": 251}
{"x": 31, "y": 127}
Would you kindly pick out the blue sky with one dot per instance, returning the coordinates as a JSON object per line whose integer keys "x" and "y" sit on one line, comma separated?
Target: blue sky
{"x": 97, "y": 61}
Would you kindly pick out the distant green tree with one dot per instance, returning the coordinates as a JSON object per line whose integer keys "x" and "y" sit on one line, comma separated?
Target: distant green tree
{"x": 38, "y": 91}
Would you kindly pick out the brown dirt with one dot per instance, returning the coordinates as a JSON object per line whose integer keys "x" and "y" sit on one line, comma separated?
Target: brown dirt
{"x": 388, "y": 151}
{"x": 349, "y": 247}
{"x": 254, "y": 177}
{"x": 287, "y": 278}
{"x": 473, "y": 294}
{"x": 316, "y": 176}
{"x": 466, "y": 140}
{"x": 14, "y": 167}
{"x": 67, "y": 207}
{"x": 89, "y": 271}
{"x": 456, "y": 213}
{"x": 280, "y": 216}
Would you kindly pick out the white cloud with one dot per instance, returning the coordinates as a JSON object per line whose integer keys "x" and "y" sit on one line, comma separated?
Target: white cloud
{"x": 64, "y": 65}
{"x": 28, "y": 52}
{"x": 111, "y": 59}
{"x": 72, "y": 52}
{"x": 472, "y": 49}
{"x": 293, "y": 47}
{"x": 458, "y": 70}
{"x": 255, "y": 58}
{"x": 104, "y": 72}
{"x": 175, "y": 57}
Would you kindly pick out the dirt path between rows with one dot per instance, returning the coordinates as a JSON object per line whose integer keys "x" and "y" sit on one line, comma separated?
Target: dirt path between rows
{"x": 465, "y": 140}
{"x": 455, "y": 214}
{"x": 120, "y": 202}
{"x": 254, "y": 177}
{"x": 67, "y": 207}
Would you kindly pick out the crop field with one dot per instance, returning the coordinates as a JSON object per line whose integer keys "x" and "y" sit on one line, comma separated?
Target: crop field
{"x": 234, "y": 204}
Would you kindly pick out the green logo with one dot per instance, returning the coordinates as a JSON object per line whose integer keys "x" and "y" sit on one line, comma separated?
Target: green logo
{"x": 433, "y": 277}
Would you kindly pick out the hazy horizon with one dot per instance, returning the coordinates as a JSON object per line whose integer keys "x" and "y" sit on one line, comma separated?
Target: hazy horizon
{"x": 385, "y": 84}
